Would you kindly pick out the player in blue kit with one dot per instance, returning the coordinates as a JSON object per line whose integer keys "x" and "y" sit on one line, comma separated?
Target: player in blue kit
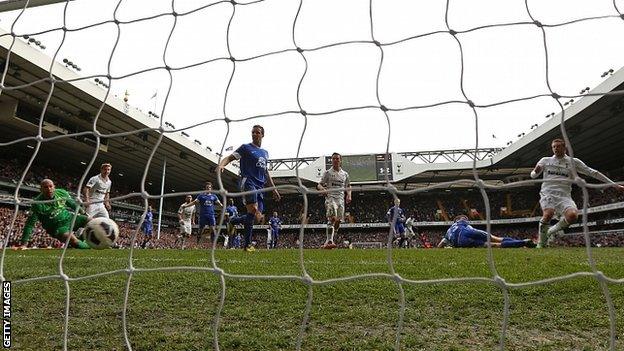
{"x": 275, "y": 223}
{"x": 462, "y": 234}
{"x": 254, "y": 175}
{"x": 207, "y": 221}
{"x": 147, "y": 227}
{"x": 231, "y": 211}
{"x": 236, "y": 241}
{"x": 396, "y": 215}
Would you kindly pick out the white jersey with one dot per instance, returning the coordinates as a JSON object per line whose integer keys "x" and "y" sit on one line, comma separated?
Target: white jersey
{"x": 186, "y": 212}
{"x": 335, "y": 179}
{"x": 410, "y": 223}
{"x": 99, "y": 187}
{"x": 557, "y": 170}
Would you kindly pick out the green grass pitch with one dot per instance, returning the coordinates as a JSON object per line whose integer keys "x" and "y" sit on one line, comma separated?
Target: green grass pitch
{"x": 174, "y": 310}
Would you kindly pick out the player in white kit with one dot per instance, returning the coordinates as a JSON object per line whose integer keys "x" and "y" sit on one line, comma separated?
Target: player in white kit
{"x": 555, "y": 194}
{"x": 334, "y": 178}
{"x": 410, "y": 231}
{"x": 186, "y": 215}
{"x": 96, "y": 192}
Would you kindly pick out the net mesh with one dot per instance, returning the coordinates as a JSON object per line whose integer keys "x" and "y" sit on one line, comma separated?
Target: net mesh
{"x": 385, "y": 108}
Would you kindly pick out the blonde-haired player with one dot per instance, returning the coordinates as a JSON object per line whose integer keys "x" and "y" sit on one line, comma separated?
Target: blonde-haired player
{"x": 555, "y": 194}
{"x": 333, "y": 180}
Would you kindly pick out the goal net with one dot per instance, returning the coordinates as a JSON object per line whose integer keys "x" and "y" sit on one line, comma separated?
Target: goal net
{"x": 173, "y": 88}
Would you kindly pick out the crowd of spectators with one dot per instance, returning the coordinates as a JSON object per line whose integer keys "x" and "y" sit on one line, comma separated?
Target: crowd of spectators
{"x": 366, "y": 207}
{"x": 605, "y": 235}
{"x": 39, "y": 237}
{"x": 64, "y": 178}
{"x": 608, "y": 238}
{"x": 127, "y": 230}
{"x": 12, "y": 169}
{"x": 430, "y": 207}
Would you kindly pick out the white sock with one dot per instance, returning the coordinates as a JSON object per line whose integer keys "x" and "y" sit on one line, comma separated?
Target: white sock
{"x": 327, "y": 235}
{"x": 543, "y": 233}
{"x": 332, "y": 230}
{"x": 562, "y": 224}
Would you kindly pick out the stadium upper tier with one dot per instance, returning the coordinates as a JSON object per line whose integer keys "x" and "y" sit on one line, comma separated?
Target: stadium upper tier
{"x": 366, "y": 207}
{"x": 74, "y": 103}
{"x": 129, "y": 136}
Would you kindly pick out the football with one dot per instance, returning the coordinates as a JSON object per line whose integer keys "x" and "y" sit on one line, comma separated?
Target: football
{"x": 101, "y": 233}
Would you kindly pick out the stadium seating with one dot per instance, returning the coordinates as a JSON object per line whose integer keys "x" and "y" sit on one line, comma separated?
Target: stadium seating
{"x": 365, "y": 208}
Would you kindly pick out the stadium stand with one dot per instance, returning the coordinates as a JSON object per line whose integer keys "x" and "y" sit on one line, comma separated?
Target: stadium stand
{"x": 366, "y": 218}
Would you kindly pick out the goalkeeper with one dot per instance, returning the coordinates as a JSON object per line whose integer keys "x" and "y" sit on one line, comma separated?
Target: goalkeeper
{"x": 462, "y": 234}
{"x": 54, "y": 216}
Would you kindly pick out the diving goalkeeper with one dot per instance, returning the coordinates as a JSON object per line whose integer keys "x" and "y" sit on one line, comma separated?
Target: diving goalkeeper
{"x": 54, "y": 216}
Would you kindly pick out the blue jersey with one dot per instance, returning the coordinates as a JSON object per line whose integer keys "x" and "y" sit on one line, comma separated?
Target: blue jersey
{"x": 394, "y": 210}
{"x": 232, "y": 211}
{"x": 206, "y": 204}
{"x": 237, "y": 241}
{"x": 275, "y": 222}
{"x": 453, "y": 233}
{"x": 149, "y": 217}
{"x": 147, "y": 223}
{"x": 253, "y": 164}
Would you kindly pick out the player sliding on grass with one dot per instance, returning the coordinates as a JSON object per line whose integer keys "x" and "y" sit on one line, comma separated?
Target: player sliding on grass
{"x": 332, "y": 180}
{"x": 54, "y": 216}
{"x": 555, "y": 194}
{"x": 462, "y": 234}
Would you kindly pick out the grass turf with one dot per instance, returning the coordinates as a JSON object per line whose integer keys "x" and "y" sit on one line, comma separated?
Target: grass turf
{"x": 174, "y": 310}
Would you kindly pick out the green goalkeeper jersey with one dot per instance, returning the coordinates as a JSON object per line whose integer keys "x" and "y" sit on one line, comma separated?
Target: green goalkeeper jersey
{"x": 53, "y": 215}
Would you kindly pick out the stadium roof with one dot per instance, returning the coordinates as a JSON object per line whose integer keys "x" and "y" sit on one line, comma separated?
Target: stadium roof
{"x": 72, "y": 107}
{"x": 9, "y": 5}
{"x": 594, "y": 125}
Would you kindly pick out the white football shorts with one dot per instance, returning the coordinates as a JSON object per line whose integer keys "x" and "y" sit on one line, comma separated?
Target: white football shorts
{"x": 334, "y": 208}
{"x": 185, "y": 227}
{"x": 559, "y": 202}
{"x": 97, "y": 210}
